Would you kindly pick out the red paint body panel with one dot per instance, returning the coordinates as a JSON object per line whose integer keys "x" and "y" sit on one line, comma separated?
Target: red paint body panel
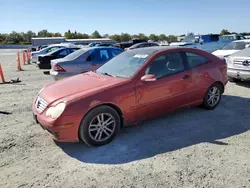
{"x": 136, "y": 99}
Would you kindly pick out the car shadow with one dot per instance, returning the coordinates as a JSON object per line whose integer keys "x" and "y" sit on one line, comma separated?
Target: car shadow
{"x": 169, "y": 133}
{"x": 244, "y": 84}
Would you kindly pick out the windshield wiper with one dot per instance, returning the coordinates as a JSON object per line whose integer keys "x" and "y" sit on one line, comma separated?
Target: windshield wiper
{"x": 105, "y": 73}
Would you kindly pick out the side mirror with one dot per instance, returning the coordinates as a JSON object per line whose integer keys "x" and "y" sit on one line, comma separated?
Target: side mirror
{"x": 148, "y": 78}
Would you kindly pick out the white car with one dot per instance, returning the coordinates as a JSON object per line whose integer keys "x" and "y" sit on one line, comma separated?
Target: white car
{"x": 232, "y": 47}
{"x": 238, "y": 65}
{"x": 50, "y": 48}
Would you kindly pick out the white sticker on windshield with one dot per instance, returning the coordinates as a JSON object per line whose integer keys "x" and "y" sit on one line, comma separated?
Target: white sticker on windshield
{"x": 140, "y": 55}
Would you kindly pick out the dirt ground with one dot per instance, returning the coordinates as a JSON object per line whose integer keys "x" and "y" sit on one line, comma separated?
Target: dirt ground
{"x": 189, "y": 148}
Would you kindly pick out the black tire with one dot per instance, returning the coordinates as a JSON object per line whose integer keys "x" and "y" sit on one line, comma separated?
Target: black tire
{"x": 84, "y": 134}
{"x": 231, "y": 79}
{"x": 205, "y": 103}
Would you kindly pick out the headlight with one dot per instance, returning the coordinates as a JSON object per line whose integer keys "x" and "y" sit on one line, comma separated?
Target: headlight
{"x": 56, "y": 111}
{"x": 229, "y": 60}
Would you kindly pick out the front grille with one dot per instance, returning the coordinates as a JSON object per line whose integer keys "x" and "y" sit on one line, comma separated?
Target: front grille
{"x": 242, "y": 63}
{"x": 41, "y": 104}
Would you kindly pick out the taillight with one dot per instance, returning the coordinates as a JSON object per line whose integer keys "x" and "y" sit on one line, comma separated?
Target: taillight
{"x": 58, "y": 68}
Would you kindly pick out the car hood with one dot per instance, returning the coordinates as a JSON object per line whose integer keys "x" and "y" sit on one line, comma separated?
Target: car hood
{"x": 223, "y": 53}
{"x": 78, "y": 86}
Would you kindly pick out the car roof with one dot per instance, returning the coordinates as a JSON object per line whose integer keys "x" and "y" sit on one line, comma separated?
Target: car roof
{"x": 137, "y": 44}
{"x": 151, "y": 50}
{"x": 104, "y": 47}
{"x": 243, "y": 40}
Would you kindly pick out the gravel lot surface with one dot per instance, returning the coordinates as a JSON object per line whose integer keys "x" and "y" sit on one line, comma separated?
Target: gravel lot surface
{"x": 188, "y": 148}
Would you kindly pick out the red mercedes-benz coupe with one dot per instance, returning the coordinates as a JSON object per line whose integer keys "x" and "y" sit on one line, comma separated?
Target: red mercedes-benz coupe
{"x": 133, "y": 86}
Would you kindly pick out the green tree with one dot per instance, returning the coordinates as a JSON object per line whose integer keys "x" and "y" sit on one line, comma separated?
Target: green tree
{"x": 153, "y": 37}
{"x": 43, "y": 33}
{"x": 162, "y": 37}
{"x": 106, "y": 36}
{"x": 125, "y": 37}
{"x": 30, "y": 35}
{"x": 116, "y": 37}
{"x": 57, "y": 34}
{"x": 3, "y": 38}
{"x": 96, "y": 34}
{"x": 68, "y": 35}
{"x": 142, "y": 36}
{"x": 224, "y": 32}
{"x": 134, "y": 36}
{"x": 14, "y": 38}
{"x": 172, "y": 38}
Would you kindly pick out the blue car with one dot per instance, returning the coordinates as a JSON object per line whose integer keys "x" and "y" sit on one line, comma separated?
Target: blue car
{"x": 83, "y": 60}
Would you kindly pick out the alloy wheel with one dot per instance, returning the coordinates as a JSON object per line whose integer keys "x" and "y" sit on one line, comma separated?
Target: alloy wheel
{"x": 213, "y": 96}
{"x": 102, "y": 127}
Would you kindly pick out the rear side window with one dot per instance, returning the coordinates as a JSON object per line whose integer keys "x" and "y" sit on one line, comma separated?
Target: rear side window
{"x": 99, "y": 56}
{"x": 195, "y": 60}
{"x": 153, "y": 44}
{"x": 214, "y": 38}
{"x": 63, "y": 52}
{"x": 104, "y": 55}
{"x": 53, "y": 49}
{"x": 115, "y": 52}
{"x": 71, "y": 50}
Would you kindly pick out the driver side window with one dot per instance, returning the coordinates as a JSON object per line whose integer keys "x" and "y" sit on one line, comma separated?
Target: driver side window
{"x": 63, "y": 53}
{"x": 167, "y": 64}
{"x": 52, "y": 49}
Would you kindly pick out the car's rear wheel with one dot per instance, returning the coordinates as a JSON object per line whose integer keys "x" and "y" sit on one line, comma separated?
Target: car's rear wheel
{"x": 100, "y": 126}
{"x": 212, "y": 97}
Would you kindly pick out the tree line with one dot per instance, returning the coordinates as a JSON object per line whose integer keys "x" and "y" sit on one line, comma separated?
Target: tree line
{"x": 226, "y": 32}
{"x": 25, "y": 37}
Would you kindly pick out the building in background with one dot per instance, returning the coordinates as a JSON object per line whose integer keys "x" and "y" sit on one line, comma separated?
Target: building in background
{"x": 57, "y": 40}
{"x": 47, "y": 40}
{"x": 88, "y": 41}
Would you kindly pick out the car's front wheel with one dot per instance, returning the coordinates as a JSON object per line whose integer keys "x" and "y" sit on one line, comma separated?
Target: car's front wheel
{"x": 100, "y": 126}
{"x": 212, "y": 97}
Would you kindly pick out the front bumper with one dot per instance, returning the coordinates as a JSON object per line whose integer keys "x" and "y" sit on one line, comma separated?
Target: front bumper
{"x": 238, "y": 74}
{"x": 34, "y": 59}
{"x": 63, "y": 130}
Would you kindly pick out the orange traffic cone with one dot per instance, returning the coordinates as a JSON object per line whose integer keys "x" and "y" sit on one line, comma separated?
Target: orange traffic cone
{"x": 19, "y": 68}
{"x": 24, "y": 58}
{"x": 1, "y": 74}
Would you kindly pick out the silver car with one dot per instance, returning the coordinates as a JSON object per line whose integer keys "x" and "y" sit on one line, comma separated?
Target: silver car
{"x": 238, "y": 65}
{"x": 83, "y": 60}
{"x": 50, "y": 48}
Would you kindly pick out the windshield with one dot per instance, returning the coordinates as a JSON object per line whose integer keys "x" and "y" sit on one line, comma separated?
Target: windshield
{"x": 235, "y": 46}
{"x": 124, "y": 65}
{"x": 76, "y": 54}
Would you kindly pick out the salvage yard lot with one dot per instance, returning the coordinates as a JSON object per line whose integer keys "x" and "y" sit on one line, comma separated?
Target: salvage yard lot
{"x": 188, "y": 148}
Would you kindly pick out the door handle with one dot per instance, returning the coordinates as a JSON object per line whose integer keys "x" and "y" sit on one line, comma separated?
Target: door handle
{"x": 185, "y": 77}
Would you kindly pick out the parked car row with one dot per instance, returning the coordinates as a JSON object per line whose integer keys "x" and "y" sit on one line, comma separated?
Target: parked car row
{"x": 83, "y": 60}
{"x": 237, "y": 56}
{"x": 67, "y": 59}
{"x": 132, "y": 86}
